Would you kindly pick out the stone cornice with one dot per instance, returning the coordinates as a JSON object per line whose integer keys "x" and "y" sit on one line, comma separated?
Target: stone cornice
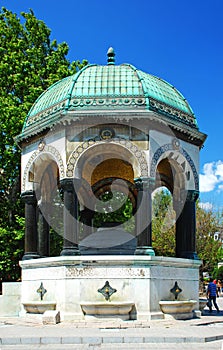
{"x": 110, "y": 260}
{"x": 192, "y": 133}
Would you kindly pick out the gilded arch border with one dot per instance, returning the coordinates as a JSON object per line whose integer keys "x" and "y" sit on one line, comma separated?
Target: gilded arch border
{"x": 169, "y": 147}
{"x": 72, "y": 161}
{"x": 47, "y": 149}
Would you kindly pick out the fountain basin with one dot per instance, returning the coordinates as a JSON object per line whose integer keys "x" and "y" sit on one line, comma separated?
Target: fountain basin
{"x": 202, "y": 303}
{"x": 120, "y": 310}
{"x": 39, "y": 307}
{"x": 178, "y": 309}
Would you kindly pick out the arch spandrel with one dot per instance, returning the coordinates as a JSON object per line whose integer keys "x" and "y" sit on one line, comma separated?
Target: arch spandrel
{"x": 187, "y": 175}
{"x": 118, "y": 148}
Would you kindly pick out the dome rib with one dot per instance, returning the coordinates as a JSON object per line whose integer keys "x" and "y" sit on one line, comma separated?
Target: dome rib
{"x": 141, "y": 79}
{"x": 76, "y": 76}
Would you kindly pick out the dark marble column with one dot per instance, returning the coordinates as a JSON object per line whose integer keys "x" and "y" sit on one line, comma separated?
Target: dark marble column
{"x": 86, "y": 217}
{"x": 70, "y": 246}
{"x": 186, "y": 226}
{"x": 29, "y": 198}
{"x": 43, "y": 231}
{"x": 143, "y": 216}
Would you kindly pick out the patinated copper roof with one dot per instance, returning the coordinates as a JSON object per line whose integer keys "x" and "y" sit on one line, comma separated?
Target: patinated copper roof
{"x": 108, "y": 88}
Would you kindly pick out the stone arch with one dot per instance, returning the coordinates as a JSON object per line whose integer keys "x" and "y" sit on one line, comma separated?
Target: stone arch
{"x": 47, "y": 150}
{"x": 137, "y": 153}
{"x": 171, "y": 147}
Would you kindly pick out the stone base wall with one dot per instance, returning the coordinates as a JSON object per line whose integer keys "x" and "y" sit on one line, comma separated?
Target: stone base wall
{"x": 10, "y": 300}
{"x": 143, "y": 280}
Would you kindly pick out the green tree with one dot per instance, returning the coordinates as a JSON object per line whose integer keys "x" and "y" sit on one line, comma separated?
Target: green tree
{"x": 29, "y": 63}
{"x": 163, "y": 223}
{"x": 11, "y": 240}
{"x": 219, "y": 273}
{"x": 207, "y": 224}
{"x": 114, "y": 207}
{"x": 209, "y": 250}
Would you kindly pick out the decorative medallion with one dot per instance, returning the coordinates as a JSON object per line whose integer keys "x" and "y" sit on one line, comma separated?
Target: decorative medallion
{"x": 176, "y": 143}
{"x": 41, "y": 145}
{"x": 41, "y": 291}
{"x": 107, "y": 290}
{"x": 106, "y": 133}
{"x": 176, "y": 290}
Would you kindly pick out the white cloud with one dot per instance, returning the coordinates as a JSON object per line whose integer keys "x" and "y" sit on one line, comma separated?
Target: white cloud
{"x": 219, "y": 170}
{"x": 209, "y": 180}
{"x": 206, "y": 205}
{"x": 212, "y": 177}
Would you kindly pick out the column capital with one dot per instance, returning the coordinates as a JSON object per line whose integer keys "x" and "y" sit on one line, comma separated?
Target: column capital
{"x": 186, "y": 196}
{"x": 68, "y": 184}
{"x": 29, "y": 197}
{"x": 189, "y": 195}
{"x": 144, "y": 183}
{"x": 192, "y": 195}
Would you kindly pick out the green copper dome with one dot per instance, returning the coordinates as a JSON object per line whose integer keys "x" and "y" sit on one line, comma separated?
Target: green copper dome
{"x": 112, "y": 87}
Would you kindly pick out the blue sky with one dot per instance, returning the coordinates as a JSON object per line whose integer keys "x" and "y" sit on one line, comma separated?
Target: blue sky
{"x": 179, "y": 41}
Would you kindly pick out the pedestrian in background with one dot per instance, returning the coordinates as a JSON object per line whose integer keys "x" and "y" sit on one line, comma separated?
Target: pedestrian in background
{"x": 212, "y": 294}
{"x": 219, "y": 287}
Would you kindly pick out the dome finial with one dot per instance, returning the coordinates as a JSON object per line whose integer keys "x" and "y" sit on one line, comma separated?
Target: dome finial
{"x": 111, "y": 55}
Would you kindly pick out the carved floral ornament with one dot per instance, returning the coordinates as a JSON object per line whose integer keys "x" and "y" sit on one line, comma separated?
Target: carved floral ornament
{"x": 132, "y": 102}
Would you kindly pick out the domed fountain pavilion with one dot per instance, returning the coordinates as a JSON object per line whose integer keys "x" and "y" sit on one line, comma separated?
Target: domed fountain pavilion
{"x": 108, "y": 129}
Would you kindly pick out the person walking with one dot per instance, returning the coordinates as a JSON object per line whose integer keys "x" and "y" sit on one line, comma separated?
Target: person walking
{"x": 219, "y": 287}
{"x": 212, "y": 293}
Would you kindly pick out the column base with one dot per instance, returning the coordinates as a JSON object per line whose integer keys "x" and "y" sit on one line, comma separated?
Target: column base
{"x": 188, "y": 255}
{"x": 70, "y": 252}
{"x": 145, "y": 250}
{"x": 30, "y": 255}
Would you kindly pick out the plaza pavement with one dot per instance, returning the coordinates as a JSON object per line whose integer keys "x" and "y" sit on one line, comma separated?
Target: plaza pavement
{"x": 30, "y": 334}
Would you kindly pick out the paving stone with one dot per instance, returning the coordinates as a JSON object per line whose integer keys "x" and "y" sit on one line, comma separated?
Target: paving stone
{"x": 71, "y": 340}
{"x": 30, "y": 340}
{"x": 51, "y": 317}
{"x": 50, "y": 340}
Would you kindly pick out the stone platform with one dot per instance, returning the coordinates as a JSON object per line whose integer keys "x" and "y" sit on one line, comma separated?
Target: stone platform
{"x": 29, "y": 333}
{"x": 72, "y": 281}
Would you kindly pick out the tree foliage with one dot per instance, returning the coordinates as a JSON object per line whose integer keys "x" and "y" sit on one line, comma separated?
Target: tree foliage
{"x": 207, "y": 224}
{"x": 11, "y": 240}
{"x": 218, "y": 275}
{"x": 209, "y": 250}
{"x": 163, "y": 223}
{"x": 114, "y": 207}
{"x": 29, "y": 63}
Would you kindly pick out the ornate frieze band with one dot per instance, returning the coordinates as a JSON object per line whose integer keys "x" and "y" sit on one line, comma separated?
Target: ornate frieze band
{"x": 172, "y": 112}
{"x": 83, "y": 103}
{"x": 112, "y": 102}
